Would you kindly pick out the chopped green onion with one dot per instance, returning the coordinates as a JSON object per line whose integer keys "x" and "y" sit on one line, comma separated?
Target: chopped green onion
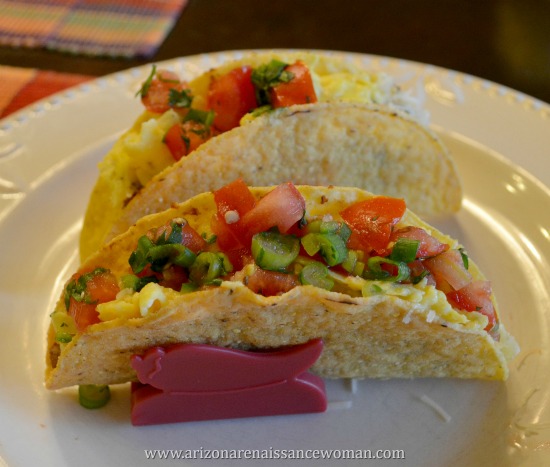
{"x": 164, "y": 251}
{"x": 311, "y": 243}
{"x": 332, "y": 227}
{"x": 188, "y": 287}
{"x": 316, "y": 274}
{"x": 352, "y": 264}
{"x": 63, "y": 326}
{"x": 208, "y": 267}
{"x": 93, "y": 396}
{"x": 335, "y": 227}
{"x": 131, "y": 281}
{"x": 138, "y": 258}
{"x": 261, "y": 110}
{"x": 274, "y": 251}
{"x": 159, "y": 256}
{"x": 375, "y": 271}
{"x": 329, "y": 245}
{"x": 405, "y": 250}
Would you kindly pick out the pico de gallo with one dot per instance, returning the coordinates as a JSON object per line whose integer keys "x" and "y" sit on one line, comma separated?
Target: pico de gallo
{"x": 271, "y": 245}
{"x": 230, "y": 97}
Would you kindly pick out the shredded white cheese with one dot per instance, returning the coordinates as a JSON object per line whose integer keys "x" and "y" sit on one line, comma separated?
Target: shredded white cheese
{"x": 430, "y": 316}
{"x": 353, "y": 384}
{"x": 339, "y": 405}
{"x": 436, "y": 407}
{"x": 407, "y": 318}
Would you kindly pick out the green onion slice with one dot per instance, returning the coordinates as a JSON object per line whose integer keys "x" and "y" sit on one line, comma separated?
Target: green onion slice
{"x": 316, "y": 274}
{"x": 405, "y": 250}
{"x": 174, "y": 253}
{"x": 92, "y": 396}
{"x": 188, "y": 287}
{"x": 63, "y": 326}
{"x": 274, "y": 251}
{"x": 329, "y": 245}
{"x": 352, "y": 263}
{"x": 375, "y": 271}
{"x": 208, "y": 267}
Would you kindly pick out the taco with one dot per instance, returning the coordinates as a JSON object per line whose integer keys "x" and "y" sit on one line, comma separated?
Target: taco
{"x": 262, "y": 268}
{"x": 237, "y": 101}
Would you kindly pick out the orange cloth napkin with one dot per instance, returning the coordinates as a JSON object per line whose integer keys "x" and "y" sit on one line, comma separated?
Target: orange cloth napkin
{"x": 22, "y": 86}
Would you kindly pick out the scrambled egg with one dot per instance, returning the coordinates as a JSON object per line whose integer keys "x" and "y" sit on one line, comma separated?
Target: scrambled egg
{"x": 146, "y": 154}
{"x": 421, "y": 293}
{"x": 134, "y": 305}
{"x": 140, "y": 153}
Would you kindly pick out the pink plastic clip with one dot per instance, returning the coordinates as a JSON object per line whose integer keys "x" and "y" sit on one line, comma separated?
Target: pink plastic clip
{"x": 190, "y": 382}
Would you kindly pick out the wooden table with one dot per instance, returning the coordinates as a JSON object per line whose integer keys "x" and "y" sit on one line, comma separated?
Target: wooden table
{"x": 506, "y": 41}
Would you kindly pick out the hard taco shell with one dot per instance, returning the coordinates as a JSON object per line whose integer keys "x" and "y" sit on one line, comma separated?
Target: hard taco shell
{"x": 410, "y": 331}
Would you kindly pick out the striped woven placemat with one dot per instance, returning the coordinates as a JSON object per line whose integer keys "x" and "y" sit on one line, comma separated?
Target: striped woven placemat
{"x": 127, "y": 28}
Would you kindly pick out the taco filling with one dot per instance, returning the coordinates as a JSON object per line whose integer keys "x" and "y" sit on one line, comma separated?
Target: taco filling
{"x": 191, "y": 274}
{"x": 181, "y": 116}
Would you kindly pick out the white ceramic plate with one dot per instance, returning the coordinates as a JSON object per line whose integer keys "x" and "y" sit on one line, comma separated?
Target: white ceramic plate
{"x": 48, "y": 155}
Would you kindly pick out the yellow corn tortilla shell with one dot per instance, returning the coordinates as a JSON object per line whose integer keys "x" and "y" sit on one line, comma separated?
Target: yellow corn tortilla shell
{"x": 407, "y": 331}
{"x": 140, "y": 154}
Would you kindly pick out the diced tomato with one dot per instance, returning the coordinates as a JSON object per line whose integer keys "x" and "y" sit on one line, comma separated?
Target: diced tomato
{"x": 239, "y": 258}
{"x": 372, "y": 221}
{"x": 156, "y": 97}
{"x": 147, "y": 271}
{"x": 190, "y": 237}
{"x": 429, "y": 246}
{"x": 234, "y": 197}
{"x": 100, "y": 288}
{"x": 282, "y": 208}
{"x": 448, "y": 270}
{"x": 183, "y": 138}
{"x": 299, "y": 90}
{"x": 173, "y": 277}
{"x": 231, "y": 96}
{"x": 227, "y": 237}
{"x": 84, "y": 314}
{"x": 418, "y": 269}
{"x": 476, "y": 296}
{"x": 270, "y": 283}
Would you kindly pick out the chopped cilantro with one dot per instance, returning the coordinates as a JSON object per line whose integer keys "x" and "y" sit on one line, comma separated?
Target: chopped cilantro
{"x": 200, "y": 116}
{"x": 267, "y": 76}
{"x": 78, "y": 288}
{"x": 180, "y": 99}
{"x": 160, "y": 254}
{"x": 142, "y": 92}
